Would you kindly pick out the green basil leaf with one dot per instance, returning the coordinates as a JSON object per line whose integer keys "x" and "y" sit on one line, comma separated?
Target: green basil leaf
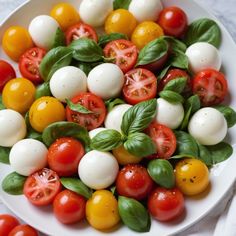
{"x": 113, "y": 190}
{"x": 204, "y": 155}
{"x": 43, "y": 90}
{"x": 163, "y": 72}
{"x": 134, "y": 214}
{"x": 203, "y": 30}
{"x": 140, "y": 145}
{"x": 179, "y": 59}
{"x": 121, "y": 4}
{"x": 176, "y": 85}
{"x": 77, "y": 186}
{"x": 161, "y": 171}
{"x": 153, "y": 51}
{"x": 175, "y": 44}
{"x": 1, "y": 103}
{"x": 34, "y": 135}
{"x": 104, "y": 39}
{"x": 111, "y": 103}
{"x": 138, "y": 117}
{"x": 4, "y": 155}
{"x": 87, "y": 67}
{"x": 59, "y": 39}
{"x": 78, "y": 108}
{"x": 229, "y": 114}
{"x": 180, "y": 156}
{"x": 106, "y": 140}
{"x": 13, "y": 184}
{"x": 27, "y": 121}
{"x": 171, "y": 96}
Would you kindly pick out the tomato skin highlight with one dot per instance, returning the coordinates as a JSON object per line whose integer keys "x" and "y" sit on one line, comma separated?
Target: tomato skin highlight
{"x": 23, "y": 230}
{"x": 7, "y": 73}
{"x": 7, "y": 223}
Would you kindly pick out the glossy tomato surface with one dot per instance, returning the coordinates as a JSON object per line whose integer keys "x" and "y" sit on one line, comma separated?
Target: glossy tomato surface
{"x": 23, "y": 230}
{"x": 7, "y": 73}
{"x": 7, "y": 223}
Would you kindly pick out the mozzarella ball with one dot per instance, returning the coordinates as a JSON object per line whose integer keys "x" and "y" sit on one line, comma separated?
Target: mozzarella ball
{"x": 68, "y": 82}
{"x": 43, "y": 30}
{"x": 203, "y": 56}
{"x": 115, "y": 116}
{"x": 208, "y": 126}
{"x": 28, "y": 156}
{"x": 95, "y": 12}
{"x": 169, "y": 114}
{"x": 106, "y": 80}
{"x": 94, "y": 132}
{"x": 144, "y": 10}
{"x": 12, "y": 127}
{"x": 98, "y": 170}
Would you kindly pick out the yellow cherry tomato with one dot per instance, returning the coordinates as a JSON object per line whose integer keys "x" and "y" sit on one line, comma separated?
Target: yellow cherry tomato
{"x": 120, "y": 21}
{"x": 102, "y": 210}
{"x": 45, "y": 111}
{"x": 146, "y": 32}
{"x": 16, "y": 40}
{"x": 18, "y": 94}
{"x": 124, "y": 157}
{"x": 65, "y": 14}
{"x": 192, "y": 176}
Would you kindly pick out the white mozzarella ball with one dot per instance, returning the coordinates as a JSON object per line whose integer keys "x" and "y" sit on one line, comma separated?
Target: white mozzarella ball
{"x": 43, "y": 31}
{"x": 28, "y": 156}
{"x": 208, "y": 126}
{"x": 106, "y": 80}
{"x": 12, "y": 127}
{"x": 98, "y": 170}
{"x": 144, "y": 10}
{"x": 169, "y": 114}
{"x": 94, "y": 132}
{"x": 115, "y": 116}
{"x": 95, "y": 12}
{"x": 203, "y": 56}
{"x": 68, "y": 82}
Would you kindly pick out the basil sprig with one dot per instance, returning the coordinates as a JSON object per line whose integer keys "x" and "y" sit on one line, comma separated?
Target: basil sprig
{"x": 78, "y": 107}
{"x": 106, "y": 38}
{"x": 59, "y": 39}
{"x": 175, "y": 44}
{"x": 111, "y": 103}
{"x": 121, "y": 4}
{"x": 43, "y": 90}
{"x": 171, "y": 96}
{"x": 4, "y": 155}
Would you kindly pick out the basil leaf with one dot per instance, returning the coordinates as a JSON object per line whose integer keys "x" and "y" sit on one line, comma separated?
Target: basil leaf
{"x": 78, "y": 108}
{"x": 121, "y": 4}
{"x": 4, "y": 155}
{"x": 27, "y": 121}
{"x": 176, "y": 85}
{"x": 104, "y": 39}
{"x": 153, "y": 51}
{"x": 164, "y": 72}
{"x": 203, "y": 30}
{"x": 204, "y": 155}
{"x": 1, "y": 103}
{"x": 229, "y": 114}
{"x": 161, "y": 171}
{"x": 55, "y": 59}
{"x": 106, "y": 140}
{"x": 140, "y": 145}
{"x": 179, "y": 59}
{"x": 43, "y": 90}
{"x": 138, "y": 117}
{"x": 175, "y": 44}
{"x": 13, "y": 184}
{"x": 111, "y": 103}
{"x": 180, "y": 156}
{"x": 113, "y": 190}
{"x": 59, "y": 39}
{"x": 171, "y": 96}
{"x": 86, "y": 50}
{"x": 34, "y": 135}
{"x": 87, "y": 67}
{"x": 77, "y": 186}
{"x": 134, "y": 214}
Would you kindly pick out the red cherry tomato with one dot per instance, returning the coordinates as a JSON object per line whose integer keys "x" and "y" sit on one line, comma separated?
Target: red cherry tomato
{"x": 7, "y": 223}
{"x": 7, "y": 73}
{"x": 69, "y": 207}
{"x": 140, "y": 85}
{"x": 124, "y": 53}
{"x": 41, "y": 187}
{"x": 165, "y": 204}
{"x": 94, "y": 104}
{"x": 29, "y": 64}
{"x": 134, "y": 181}
{"x": 64, "y": 156}
{"x": 23, "y": 230}
{"x": 164, "y": 139}
{"x": 173, "y": 21}
{"x": 80, "y": 30}
{"x": 211, "y": 87}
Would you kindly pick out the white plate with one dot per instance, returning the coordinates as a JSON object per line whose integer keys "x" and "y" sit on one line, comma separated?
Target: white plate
{"x": 222, "y": 176}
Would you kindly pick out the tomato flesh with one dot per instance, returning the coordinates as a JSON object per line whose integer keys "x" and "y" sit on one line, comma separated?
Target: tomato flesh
{"x": 7, "y": 73}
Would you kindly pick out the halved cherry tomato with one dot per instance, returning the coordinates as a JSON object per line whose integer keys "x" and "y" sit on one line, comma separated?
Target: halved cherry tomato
{"x": 164, "y": 139}
{"x": 7, "y": 223}
{"x": 92, "y": 103}
{"x": 123, "y": 52}
{"x": 140, "y": 85}
{"x": 7, "y": 73}
{"x": 42, "y": 187}
{"x": 29, "y": 64}
{"x": 80, "y": 30}
{"x": 23, "y": 230}
{"x": 211, "y": 87}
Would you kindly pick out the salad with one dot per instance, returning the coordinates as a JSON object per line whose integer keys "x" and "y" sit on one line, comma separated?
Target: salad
{"x": 118, "y": 113}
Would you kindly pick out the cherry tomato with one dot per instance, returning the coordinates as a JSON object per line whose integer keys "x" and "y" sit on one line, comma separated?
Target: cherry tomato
{"x": 140, "y": 85}
{"x": 92, "y": 103}
{"x": 16, "y": 40}
{"x": 42, "y": 187}
{"x": 29, "y": 64}
{"x": 80, "y": 30}
{"x": 173, "y": 20}
{"x": 166, "y": 204}
{"x": 7, "y": 223}
{"x": 7, "y": 73}
{"x": 134, "y": 181}
{"x": 23, "y": 230}
{"x": 192, "y": 176}
{"x": 69, "y": 207}
{"x": 164, "y": 139}
{"x": 64, "y": 156}
{"x": 124, "y": 52}
{"x": 211, "y": 87}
